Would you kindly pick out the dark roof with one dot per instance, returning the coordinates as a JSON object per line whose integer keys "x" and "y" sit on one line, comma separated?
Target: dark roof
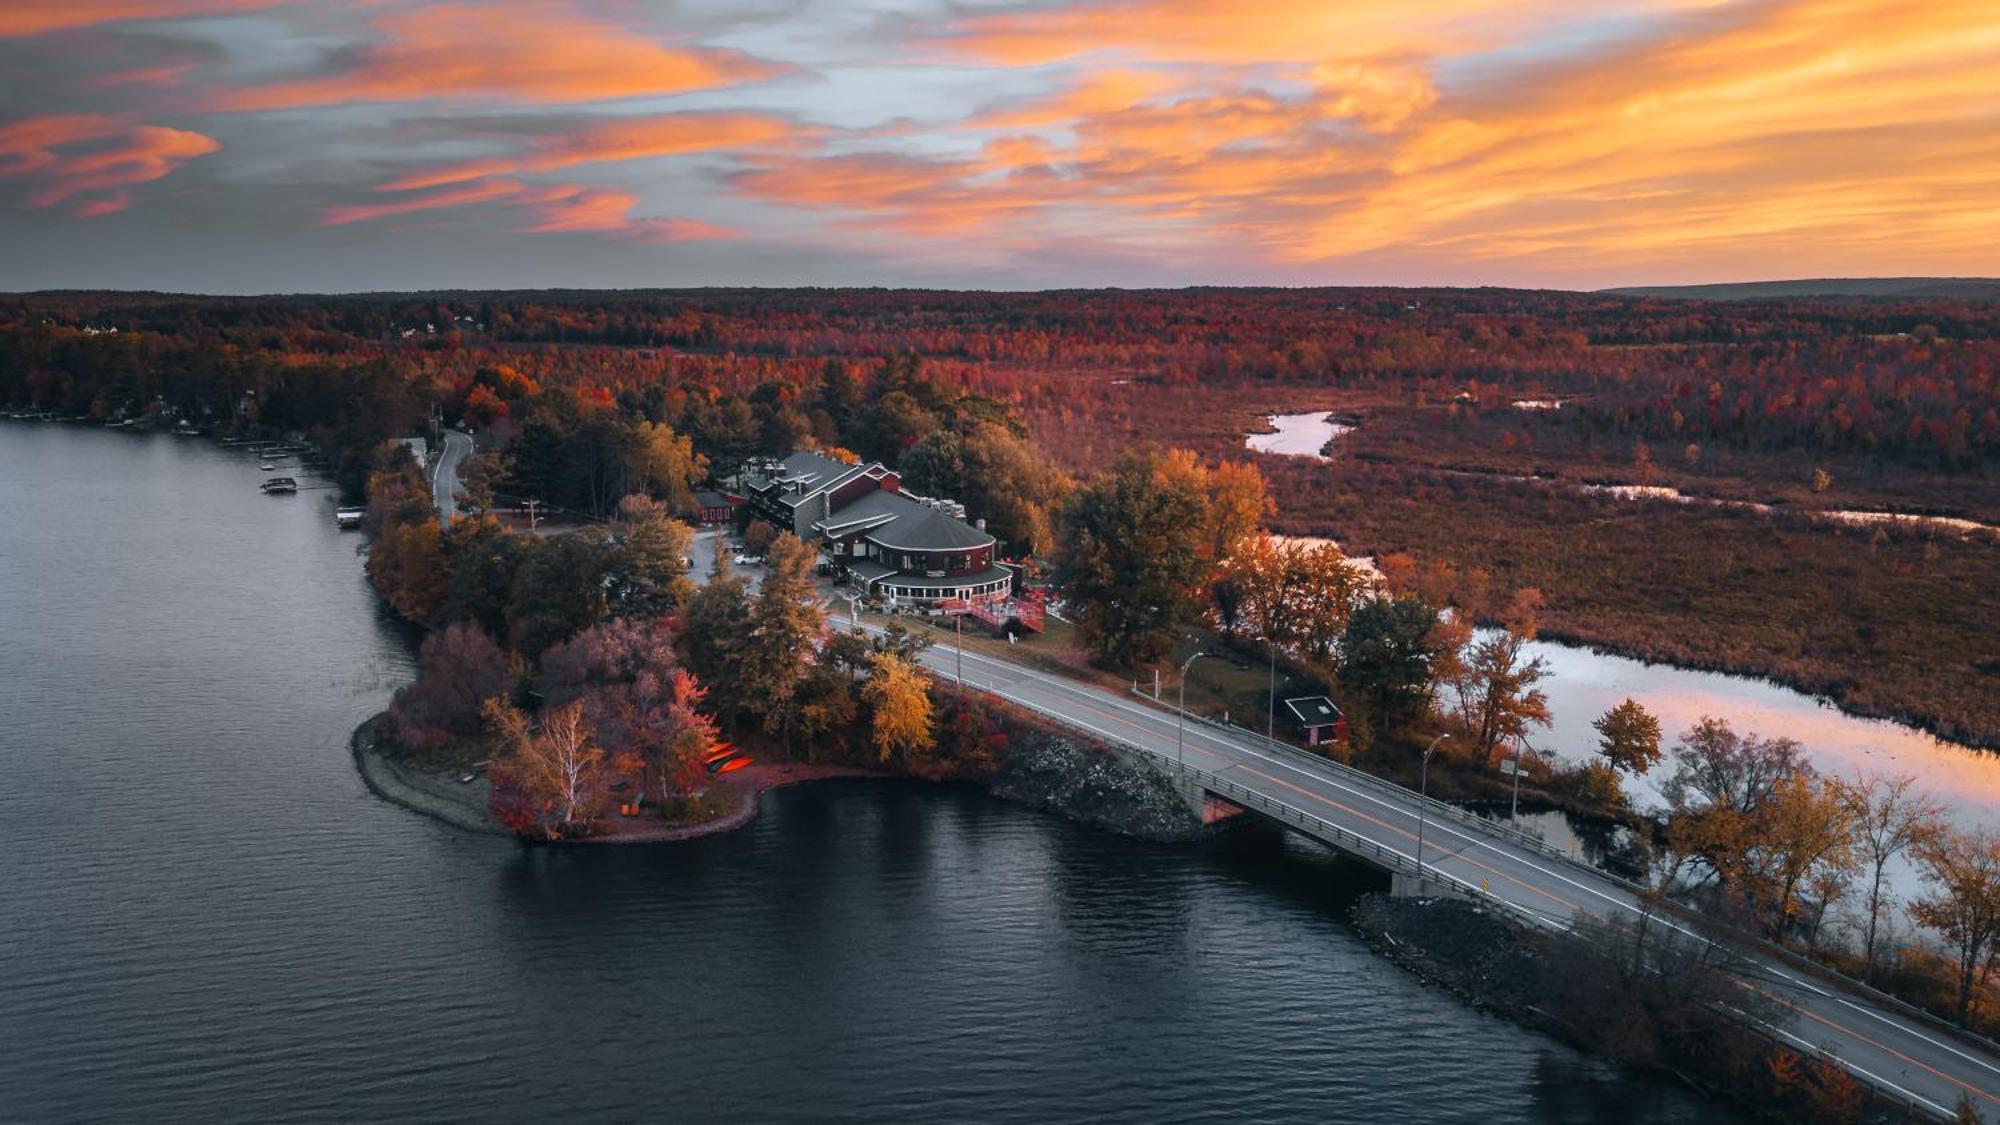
{"x": 935, "y": 531}
{"x": 868, "y": 570}
{"x": 709, "y": 498}
{"x": 1313, "y": 710}
{"x": 876, "y": 504}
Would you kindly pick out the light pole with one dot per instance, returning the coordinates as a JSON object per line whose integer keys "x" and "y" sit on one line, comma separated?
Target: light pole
{"x": 1423, "y": 790}
{"x": 958, "y": 621}
{"x": 1180, "y": 715}
{"x": 1271, "y": 704}
{"x": 1520, "y": 747}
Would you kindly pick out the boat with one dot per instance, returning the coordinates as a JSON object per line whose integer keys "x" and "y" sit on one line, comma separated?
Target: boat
{"x": 349, "y": 517}
{"x": 266, "y": 466}
{"x": 280, "y": 484}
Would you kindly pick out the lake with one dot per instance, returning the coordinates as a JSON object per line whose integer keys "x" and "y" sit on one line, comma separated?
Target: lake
{"x": 209, "y": 917}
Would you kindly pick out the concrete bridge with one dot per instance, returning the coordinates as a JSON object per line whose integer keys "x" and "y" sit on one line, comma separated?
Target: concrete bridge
{"x": 1906, "y": 1054}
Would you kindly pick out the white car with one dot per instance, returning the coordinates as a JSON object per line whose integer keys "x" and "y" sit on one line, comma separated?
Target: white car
{"x": 748, "y": 560}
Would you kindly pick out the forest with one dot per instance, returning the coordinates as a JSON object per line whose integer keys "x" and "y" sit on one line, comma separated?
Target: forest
{"x": 1878, "y": 405}
{"x": 1101, "y": 433}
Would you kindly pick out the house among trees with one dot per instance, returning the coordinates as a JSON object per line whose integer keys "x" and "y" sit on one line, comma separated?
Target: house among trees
{"x": 1318, "y": 718}
{"x": 907, "y": 549}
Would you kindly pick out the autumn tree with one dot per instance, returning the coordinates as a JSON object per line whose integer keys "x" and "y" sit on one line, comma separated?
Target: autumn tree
{"x": 786, "y": 621}
{"x": 899, "y": 701}
{"x": 1133, "y": 541}
{"x": 458, "y": 670}
{"x": 637, "y": 699}
{"x": 1963, "y": 868}
{"x": 715, "y": 639}
{"x": 1496, "y": 684}
{"x": 554, "y": 766}
{"x": 1891, "y": 817}
{"x": 648, "y": 561}
{"x": 1299, "y": 595}
{"x": 664, "y": 466}
{"x": 1805, "y": 833}
{"x": 1629, "y": 738}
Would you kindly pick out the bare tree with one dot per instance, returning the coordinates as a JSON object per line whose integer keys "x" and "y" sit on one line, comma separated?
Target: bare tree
{"x": 1891, "y": 817}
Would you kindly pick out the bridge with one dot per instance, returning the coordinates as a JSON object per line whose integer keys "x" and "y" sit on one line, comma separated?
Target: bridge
{"x": 1905, "y": 1054}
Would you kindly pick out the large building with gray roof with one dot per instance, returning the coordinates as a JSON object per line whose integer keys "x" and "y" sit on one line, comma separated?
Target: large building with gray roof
{"x": 907, "y": 549}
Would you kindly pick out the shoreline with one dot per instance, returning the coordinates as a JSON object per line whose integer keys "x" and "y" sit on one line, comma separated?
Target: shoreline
{"x": 462, "y": 805}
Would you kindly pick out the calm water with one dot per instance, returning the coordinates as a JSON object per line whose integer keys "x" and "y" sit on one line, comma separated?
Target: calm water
{"x": 1298, "y": 435}
{"x": 206, "y": 916}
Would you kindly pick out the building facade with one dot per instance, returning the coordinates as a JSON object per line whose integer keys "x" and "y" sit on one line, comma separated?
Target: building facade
{"x": 904, "y": 549}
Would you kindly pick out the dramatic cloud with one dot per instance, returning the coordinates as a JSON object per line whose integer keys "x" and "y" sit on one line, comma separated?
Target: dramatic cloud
{"x": 80, "y": 156}
{"x": 1521, "y": 141}
{"x": 563, "y": 207}
{"x": 522, "y": 51}
{"x": 21, "y": 17}
{"x": 625, "y": 139}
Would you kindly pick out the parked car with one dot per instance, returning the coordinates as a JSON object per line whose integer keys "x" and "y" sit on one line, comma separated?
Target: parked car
{"x": 748, "y": 560}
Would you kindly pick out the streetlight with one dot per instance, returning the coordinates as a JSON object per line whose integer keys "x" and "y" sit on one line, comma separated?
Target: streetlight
{"x": 1180, "y": 714}
{"x": 1271, "y": 704}
{"x": 1423, "y": 790}
{"x": 1514, "y": 810}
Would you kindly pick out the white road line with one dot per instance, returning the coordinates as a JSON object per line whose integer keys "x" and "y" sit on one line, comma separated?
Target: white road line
{"x": 1154, "y": 720}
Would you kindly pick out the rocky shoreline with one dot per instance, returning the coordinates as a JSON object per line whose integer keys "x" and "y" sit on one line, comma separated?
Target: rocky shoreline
{"x": 1048, "y": 769}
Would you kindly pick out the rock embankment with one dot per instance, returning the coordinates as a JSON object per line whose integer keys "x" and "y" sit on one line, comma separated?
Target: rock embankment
{"x": 1114, "y": 790}
{"x": 1478, "y": 955}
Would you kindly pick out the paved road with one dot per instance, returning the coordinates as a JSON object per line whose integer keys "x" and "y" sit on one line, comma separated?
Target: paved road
{"x": 444, "y": 474}
{"x": 1920, "y": 1064}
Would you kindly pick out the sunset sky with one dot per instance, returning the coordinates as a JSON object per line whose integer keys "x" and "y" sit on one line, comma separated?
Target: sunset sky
{"x": 234, "y": 145}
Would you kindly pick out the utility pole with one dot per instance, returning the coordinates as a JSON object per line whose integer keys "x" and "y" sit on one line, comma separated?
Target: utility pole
{"x": 534, "y": 513}
{"x": 1180, "y": 713}
{"x": 1423, "y": 796}
{"x": 958, "y": 620}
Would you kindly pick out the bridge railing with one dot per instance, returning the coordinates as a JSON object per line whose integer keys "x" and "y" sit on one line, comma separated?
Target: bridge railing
{"x": 1715, "y": 929}
{"x": 1706, "y": 922}
{"x": 1443, "y": 809}
{"x": 1348, "y": 841}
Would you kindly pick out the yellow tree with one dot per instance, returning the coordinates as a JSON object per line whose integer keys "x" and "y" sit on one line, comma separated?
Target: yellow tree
{"x": 556, "y": 767}
{"x": 900, "y": 698}
{"x": 1965, "y": 870}
{"x": 1806, "y": 831}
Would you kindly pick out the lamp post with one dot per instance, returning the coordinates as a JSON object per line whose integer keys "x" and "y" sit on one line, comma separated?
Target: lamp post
{"x": 1180, "y": 714}
{"x": 1520, "y": 748}
{"x": 1271, "y": 704}
{"x": 1423, "y": 791}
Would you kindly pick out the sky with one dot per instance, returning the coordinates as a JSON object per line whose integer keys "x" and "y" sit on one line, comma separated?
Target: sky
{"x": 243, "y": 146}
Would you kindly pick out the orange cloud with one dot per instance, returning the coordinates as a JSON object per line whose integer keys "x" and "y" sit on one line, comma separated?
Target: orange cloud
{"x": 20, "y": 18}
{"x": 554, "y": 209}
{"x": 75, "y": 155}
{"x": 509, "y": 52}
{"x": 1821, "y": 133}
{"x": 628, "y": 139}
{"x": 459, "y": 197}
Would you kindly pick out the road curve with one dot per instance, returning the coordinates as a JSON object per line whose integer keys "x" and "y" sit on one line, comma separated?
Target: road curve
{"x": 444, "y": 474}
{"x": 1921, "y": 1065}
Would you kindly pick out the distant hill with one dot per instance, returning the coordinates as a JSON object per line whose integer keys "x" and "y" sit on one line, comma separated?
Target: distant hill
{"x": 1953, "y": 288}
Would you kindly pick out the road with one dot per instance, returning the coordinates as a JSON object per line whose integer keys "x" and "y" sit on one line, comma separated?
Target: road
{"x": 444, "y": 474}
{"x": 1920, "y": 1064}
